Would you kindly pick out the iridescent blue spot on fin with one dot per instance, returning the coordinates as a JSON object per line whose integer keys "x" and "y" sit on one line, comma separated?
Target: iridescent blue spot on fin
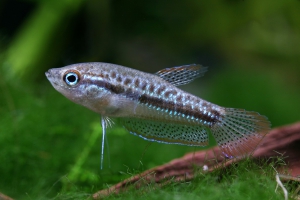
{"x": 182, "y": 75}
{"x": 167, "y": 133}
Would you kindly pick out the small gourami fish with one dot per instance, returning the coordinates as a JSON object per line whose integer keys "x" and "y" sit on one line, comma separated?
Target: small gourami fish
{"x": 152, "y": 107}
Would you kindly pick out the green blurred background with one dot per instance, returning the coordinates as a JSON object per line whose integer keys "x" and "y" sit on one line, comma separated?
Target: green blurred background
{"x": 49, "y": 145}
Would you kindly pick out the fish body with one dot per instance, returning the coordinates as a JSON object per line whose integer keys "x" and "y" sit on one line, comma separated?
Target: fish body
{"x": 154, "y": 108}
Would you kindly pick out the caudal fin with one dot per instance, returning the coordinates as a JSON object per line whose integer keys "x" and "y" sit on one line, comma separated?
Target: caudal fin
{"x": 239, "y": 132}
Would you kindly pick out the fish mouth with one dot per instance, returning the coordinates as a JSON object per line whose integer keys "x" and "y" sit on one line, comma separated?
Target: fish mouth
{"x": 50, "y": 77}
{"x": 47, "y": 74}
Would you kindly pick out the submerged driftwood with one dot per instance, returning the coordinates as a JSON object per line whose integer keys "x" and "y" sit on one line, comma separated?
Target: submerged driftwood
{"x": 279, "y": 141}
{"x": 283, "y": 141}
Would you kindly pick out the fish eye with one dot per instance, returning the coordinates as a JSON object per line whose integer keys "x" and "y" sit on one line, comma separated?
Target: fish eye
{"x": 71, "y": 78}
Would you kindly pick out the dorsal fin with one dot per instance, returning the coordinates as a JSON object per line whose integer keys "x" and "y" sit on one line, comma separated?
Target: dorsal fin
{"x": 182, "y": 75}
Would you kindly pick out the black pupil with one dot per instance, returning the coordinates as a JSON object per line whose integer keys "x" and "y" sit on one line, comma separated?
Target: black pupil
{"x": 71, "y": 78}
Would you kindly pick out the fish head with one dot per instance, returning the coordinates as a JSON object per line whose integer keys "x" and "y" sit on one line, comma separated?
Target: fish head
{"x": 81, "y": 83}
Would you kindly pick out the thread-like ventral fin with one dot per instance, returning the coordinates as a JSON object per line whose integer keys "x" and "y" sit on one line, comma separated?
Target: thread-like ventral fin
{"x": 182, "y": 75}
{"x": 239, "y": 132}
{"x": 170, "y": 133}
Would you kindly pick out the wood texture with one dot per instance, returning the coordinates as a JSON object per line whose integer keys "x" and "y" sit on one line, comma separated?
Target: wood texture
{"x": 283, "y": 141}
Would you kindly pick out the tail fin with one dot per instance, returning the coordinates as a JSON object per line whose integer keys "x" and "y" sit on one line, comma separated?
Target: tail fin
{"x": 239, "y": 132}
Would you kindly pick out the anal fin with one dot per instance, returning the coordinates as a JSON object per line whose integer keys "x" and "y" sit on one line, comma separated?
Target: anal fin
{"x": 170, "y": 133}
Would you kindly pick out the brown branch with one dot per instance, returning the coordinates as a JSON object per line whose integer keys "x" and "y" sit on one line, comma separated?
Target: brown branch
{"x": 280, "y": 141}
{"x": 4, "y": 197}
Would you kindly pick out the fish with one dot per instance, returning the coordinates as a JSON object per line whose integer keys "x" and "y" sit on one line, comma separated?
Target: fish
{"x": 152, "y": 107}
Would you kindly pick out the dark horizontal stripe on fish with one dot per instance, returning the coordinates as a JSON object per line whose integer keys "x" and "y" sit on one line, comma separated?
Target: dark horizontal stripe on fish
{"x": 117, "y": 89}
{"x": 186, "y": 110}
{"x": 99, "y": 83}
{"x": 154, "y": 101}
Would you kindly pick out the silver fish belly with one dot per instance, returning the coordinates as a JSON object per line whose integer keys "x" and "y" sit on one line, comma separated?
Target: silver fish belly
{"x": 152, "y": 107}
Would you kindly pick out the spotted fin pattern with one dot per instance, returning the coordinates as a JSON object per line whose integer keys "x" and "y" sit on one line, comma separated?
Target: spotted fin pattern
{"x": 167, "y": 133}
{"x": 240, "y": 131}
{"x": 182, "y": 75}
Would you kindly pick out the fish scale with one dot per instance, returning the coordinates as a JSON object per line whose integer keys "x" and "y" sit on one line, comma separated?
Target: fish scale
{"x": 162, "y": 99}
{"x": 153, "y": 108}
